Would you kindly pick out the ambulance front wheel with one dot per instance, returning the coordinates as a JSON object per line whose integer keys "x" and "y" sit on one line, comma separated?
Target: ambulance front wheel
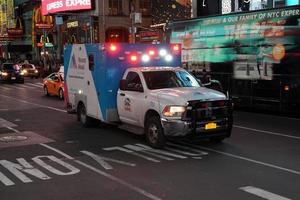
{"x": 85, "y": 120}
{"x": 154, "y": 132}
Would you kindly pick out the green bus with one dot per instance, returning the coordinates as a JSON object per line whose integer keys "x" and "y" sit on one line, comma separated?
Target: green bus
{"x": 255, "y": 55}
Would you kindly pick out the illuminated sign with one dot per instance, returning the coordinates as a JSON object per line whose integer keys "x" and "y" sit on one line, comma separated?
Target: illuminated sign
{"x": 54, "y": 6}
{"x": 41, "y": 22}
{"x": 72, "y": 24}
{"x": 292, "y": 2}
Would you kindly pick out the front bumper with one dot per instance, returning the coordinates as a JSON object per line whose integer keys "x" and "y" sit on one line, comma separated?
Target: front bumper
{"x": 12, "y": 78}
{"x": 184, "y": 128}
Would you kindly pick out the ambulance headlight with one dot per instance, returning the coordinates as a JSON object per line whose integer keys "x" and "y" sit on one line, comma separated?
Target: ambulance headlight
{"x": 169, "y": 58}
{"x": 163, "y": 52}
{"x": 173, "y": 111}
{"x": 145, "y": 58}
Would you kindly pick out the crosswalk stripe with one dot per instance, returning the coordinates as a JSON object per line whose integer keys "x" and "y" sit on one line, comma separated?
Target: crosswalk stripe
{"x": 5, "y": 88}
{"x": 35, "y": 85}
{"x": 185, "y": 147}
{"x": 39, "y": 84}
{"x": 13, "y": 87}
{"x": 20, "y": 86}
{"x": 24, "y": 86}
{"x": 262, "y": 193}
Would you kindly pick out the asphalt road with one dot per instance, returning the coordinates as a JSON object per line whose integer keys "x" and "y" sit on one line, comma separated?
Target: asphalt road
{"x": 52, "y": 157}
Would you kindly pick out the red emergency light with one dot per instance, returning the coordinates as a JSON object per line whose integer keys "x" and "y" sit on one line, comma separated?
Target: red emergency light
{"x": 133, "y": 58}
{"x": 176, "y": 48}
{"x": 151, "y": 52}
{"x": 113, "y": 48}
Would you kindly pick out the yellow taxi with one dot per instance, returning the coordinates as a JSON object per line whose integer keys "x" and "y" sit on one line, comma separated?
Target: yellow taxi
{"x": 54, "y": 85}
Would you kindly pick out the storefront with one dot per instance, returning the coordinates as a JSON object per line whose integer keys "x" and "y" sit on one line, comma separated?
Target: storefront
{"x": 84, "y": 29}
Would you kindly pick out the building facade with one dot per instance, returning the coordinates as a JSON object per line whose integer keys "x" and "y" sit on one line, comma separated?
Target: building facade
{"x": 213, "y": 7}
{"x": 37, "y": 36}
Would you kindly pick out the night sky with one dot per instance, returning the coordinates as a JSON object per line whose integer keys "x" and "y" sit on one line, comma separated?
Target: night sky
{"x": 168, "y": 10}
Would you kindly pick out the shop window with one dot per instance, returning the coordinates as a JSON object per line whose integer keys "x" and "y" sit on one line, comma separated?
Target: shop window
{"x": 145, "y": 7}
{"x": 115, "y": 7}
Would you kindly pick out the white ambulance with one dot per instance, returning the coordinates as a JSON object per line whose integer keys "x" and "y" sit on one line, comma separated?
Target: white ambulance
{"x": 143, "y": 89}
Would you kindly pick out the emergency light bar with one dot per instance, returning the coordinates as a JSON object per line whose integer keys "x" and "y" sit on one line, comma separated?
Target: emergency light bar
{"x": 144, "y": 53}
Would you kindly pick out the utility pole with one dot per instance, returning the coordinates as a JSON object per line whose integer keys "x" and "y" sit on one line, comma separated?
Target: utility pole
{"x": 6, "y": 34}
{"x": 103, "y": 20}
{"x": 132, "y": 17}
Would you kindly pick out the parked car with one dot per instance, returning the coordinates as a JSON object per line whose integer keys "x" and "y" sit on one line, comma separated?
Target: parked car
{"x": 54, "y": 85}
{"x": 10, "y": 72}
{"x": 29, "y": 70}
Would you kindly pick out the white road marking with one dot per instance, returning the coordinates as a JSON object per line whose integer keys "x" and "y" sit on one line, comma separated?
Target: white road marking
{"x": 58, "y": 151}
{"x": 141, "y": 149}
{"x": 120, "y": 181}
{"x": 5, "y": 180}
{"x": 244, "y": 158}
{"x": 262, "y": 193}
{"x": 23, "y": 166}
{"x": 272, "y": 116}
{"x": 267, "y": 132}
{"x": 181, "y": 152}
{"x": 24, "y": 86}
{"x": 109, "y": 176}
{"x": 5, "y": 123}
{"x": 131, "y": 152}
{"x": 102, "y": 160}
{"x": 35, "y": 104}
{"x": 161, "y": 151}
{"x": 5, "y": 88}
{"x": 15, "y": 87}
{"x": 72, "y": 170}
{"x": 35, "y": 85}
{"x": 200, "y": 153}
{"x": 12, "y": 129}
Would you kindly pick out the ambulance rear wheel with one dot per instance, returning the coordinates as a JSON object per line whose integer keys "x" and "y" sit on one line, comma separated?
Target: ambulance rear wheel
{"x": 154, "y": 133}
{"x": 85, "y": 120}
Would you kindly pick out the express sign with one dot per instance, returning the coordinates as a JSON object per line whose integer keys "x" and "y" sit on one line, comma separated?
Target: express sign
{"x": 54, "y": 6}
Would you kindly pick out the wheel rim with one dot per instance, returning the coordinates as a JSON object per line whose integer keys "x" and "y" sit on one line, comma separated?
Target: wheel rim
{"x": 153, "y": 133}
{"x": 82, "y": 115}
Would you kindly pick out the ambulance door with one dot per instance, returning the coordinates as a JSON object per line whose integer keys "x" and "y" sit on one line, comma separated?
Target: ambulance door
{"x": 131, "y": 100}
{"x": 92, "y": 97}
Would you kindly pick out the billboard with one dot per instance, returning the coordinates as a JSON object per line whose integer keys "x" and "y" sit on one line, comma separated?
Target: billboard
{"x": 164, "y": 11}
{"x": 55, "y": 6}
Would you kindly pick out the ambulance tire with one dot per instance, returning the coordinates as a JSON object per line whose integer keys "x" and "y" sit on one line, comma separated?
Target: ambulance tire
{"x": 85, "y": 120}
{"x": 154, "y": 132}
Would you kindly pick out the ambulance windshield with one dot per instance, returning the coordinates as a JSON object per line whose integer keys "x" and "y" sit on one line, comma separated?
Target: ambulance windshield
{"x": 169, "y": 79}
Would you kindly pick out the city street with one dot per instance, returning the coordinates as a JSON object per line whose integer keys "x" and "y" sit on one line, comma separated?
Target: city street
{"x": 46, "y": 154}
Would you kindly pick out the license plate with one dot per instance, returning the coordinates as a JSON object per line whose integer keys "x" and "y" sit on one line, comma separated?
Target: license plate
{"x": 210, "y": 126}
{"x": 13, "y": 78}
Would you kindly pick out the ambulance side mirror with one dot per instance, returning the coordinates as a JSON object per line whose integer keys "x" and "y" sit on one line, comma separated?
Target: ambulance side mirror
{"x": 123, "y": 84}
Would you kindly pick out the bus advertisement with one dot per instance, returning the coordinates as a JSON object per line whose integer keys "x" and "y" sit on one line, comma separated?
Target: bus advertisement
{"x": 255, "y": 55}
